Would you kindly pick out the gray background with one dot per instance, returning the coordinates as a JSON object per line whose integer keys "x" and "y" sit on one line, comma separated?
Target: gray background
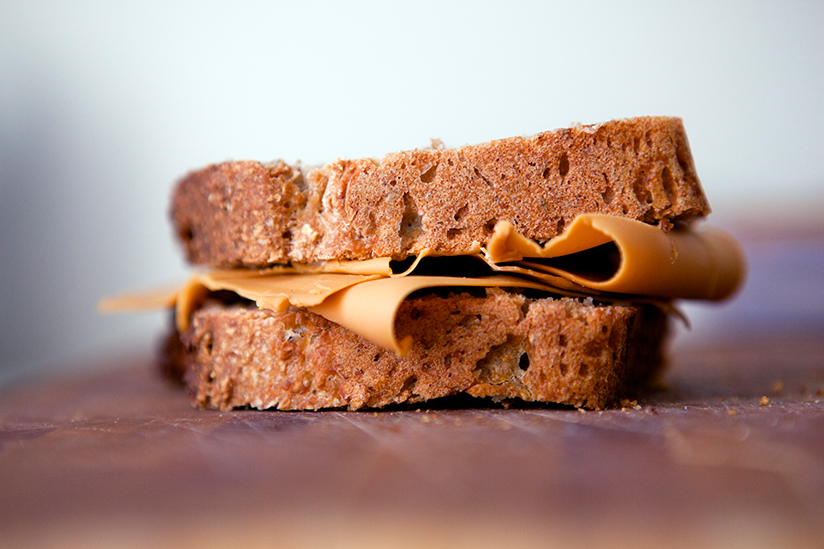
{"x": 104, "y": 105}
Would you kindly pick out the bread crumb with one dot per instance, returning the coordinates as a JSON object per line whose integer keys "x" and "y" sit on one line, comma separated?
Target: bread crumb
{"x": 777, "y": 387}
{"x": 627, "y": 404}
{"x": 590, "y": 128}
{"x": 309, "y": 231}
{"x": 731, "y": 412}
{"x": 765, "y": 401}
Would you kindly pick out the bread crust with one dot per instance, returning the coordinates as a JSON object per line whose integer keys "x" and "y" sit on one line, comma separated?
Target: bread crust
{"x": 502, "y": 345}
{"x": 247, "y": 214}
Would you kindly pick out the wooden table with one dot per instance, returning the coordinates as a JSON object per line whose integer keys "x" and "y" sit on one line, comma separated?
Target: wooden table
{"x": 729, "y": 453}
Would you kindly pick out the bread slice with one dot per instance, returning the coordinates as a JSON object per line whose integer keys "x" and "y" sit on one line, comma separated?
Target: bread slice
{"x": 502, "y": 345}
{"x": 247, "y": 214}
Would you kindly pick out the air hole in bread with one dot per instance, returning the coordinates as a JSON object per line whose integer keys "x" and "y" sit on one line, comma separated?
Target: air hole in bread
{"x": 649, "y": 217}
{"x": 451, "y": 234}
{"x": 293, "y": 334}
{"x": 607, "y": 195}
{"x": 593, "y": 348}
{"x": 563, "y": 368}
{"x": 583, "y": 370}
{"x": 562, "y": 340}
{"x": 415, "y": 314}
{"x": 668, "y": 183}
{"x": 186, "y": 233}
{"x": 470, "y": 321}
{"x": 461, "y": 213}
{"x": 228, "y": 391}
{"x": 546, "y": 173}
{"x": 559, "y": 227}
{"x": 523, "y": 362}
{"x": 641, "y": 191}
{"x": 411, "y": 223}
{"x": 370, "y": 223}
{"x": 563, "y": 165}
{"x": 429, "y": 174}
{"x": 489, "y": 226}
{"x": 409, "y": 385}
{"x": 614, "y": 338}
{"x": 682, "y": 153}
{"x": 481, "y": 176}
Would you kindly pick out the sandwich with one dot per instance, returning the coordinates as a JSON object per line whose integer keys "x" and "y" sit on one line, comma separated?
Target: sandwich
{"x": 539, "y": 269}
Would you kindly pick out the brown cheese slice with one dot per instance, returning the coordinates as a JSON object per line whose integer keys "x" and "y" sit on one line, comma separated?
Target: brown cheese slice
{"x": 364, "y": 296}
{"x": 272, "y": 291}
{"x": 148, "y": 300}
{"x": 702, "y": 263}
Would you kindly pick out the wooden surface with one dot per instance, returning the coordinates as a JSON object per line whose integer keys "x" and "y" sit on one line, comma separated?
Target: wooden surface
{"x": 729, "y": 453}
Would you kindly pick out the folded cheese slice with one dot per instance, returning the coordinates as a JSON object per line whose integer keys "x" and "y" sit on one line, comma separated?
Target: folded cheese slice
{"x": 608, "y": 257}
{"x": 685, "y": 263}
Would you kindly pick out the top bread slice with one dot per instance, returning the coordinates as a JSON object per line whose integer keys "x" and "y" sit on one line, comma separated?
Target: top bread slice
{"x": 248, "y": 214}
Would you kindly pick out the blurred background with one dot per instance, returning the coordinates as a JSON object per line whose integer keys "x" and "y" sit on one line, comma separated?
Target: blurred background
{"x": 104, "y": 105}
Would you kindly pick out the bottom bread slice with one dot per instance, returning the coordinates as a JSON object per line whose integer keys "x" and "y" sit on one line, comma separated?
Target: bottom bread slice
{"x": 501, "y": 345}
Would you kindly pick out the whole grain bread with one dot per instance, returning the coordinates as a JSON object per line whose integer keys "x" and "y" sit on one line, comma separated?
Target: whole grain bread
{"x": 501, "y": 345}
{"x": 248, "y": 214}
